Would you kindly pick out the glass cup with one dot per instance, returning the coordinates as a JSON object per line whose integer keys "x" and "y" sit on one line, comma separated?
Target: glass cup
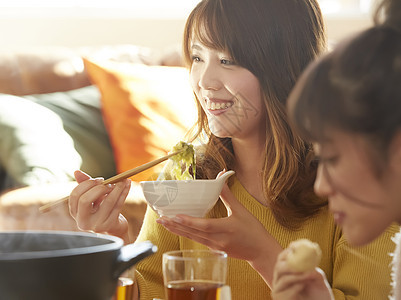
{"x": 124, "y": 289}
{"x": 195, "y": 274}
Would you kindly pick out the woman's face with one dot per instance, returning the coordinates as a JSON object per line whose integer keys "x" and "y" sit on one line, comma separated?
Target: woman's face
{"x": 364, "y": 203}
{"x": 230, "y": 95}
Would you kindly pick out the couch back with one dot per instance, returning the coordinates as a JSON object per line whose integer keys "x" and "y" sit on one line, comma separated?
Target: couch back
{"x": 50, "y": 69}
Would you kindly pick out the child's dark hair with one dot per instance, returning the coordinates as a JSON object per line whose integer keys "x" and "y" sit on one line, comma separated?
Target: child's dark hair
{"x": 356, "y": 88}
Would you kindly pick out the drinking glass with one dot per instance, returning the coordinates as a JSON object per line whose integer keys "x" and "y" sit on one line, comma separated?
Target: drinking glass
{"x": 195, "y": 274}
{"x": 124, "y": 289}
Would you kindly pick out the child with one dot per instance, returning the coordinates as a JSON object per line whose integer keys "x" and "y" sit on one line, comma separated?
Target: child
{"x": 349, "y": 104}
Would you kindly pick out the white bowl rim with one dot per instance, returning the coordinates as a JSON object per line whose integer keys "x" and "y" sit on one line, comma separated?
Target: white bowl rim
{"x": 189, "y": 180}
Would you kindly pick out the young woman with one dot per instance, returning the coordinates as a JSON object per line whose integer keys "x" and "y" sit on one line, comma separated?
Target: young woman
{"x": 349, "y": 104}
{"x": 244, "y": 58}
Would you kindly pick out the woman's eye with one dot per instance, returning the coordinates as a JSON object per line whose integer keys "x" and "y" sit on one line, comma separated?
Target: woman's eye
{"x": 196, "y": 58}
{"x": 227, "y": 62}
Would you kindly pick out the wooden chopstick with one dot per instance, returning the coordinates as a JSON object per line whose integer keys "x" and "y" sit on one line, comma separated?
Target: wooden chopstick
{"x": 116, "y": 178}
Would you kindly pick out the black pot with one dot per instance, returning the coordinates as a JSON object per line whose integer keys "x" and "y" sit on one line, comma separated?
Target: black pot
{"x": 58, "y": 265}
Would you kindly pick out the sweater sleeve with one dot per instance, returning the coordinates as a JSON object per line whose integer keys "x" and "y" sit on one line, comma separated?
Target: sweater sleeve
{"x": 150, "y": 268}
{"x": 363, "y": 272}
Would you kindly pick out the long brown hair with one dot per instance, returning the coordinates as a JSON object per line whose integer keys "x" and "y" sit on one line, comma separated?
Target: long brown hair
{"x": 275, "y": 40}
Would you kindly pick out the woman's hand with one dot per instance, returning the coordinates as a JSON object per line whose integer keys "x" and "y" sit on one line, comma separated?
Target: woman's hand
{"x": 290, "y": 285}
{"x": 239, "y": 234}
{"x": 96, "y": 207}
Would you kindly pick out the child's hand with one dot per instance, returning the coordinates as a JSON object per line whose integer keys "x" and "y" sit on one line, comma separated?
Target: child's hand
{"x": 292, "y": 285}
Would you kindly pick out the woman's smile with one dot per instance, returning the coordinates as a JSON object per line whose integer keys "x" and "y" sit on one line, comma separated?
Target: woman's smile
{"x": 217, "y": 106}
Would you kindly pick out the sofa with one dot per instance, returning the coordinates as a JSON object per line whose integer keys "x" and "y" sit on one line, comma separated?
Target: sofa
{"x": 102, "y": 109}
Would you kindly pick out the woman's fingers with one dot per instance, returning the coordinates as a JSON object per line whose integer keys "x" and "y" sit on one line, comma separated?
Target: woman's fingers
{"x": 81, "y": 192}
{"x": 102, "y": 214}
{"x": 193, "y": 224}
{"x": 210, "y": 232}
{"x": 290, "y": 280}
{"x": 86, "y": 193}
{"x": 195, "y": 235}
{"x": 186, "y": 225}
{"x": 286, "y": 283}
{"x": 112, "y": 204}
{"x": 289, "y": 293}
{"x": 81, "y": 176}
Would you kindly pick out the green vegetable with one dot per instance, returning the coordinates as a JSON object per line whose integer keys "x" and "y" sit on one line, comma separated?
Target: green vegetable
{"x": 183, "y": 161}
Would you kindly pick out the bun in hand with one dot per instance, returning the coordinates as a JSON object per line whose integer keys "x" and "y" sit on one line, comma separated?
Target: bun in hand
{"x": 303, "y": 255}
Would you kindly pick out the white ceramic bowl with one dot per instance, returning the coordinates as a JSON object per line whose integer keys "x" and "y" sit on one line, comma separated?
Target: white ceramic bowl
{"x": 191, "y": 197}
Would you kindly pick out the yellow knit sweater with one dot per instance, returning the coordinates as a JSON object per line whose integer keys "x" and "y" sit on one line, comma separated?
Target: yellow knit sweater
{"x": 361, "y": 273}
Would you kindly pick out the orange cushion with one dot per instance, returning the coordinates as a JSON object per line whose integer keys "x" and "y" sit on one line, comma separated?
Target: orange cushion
{"x": 146, "y": 109}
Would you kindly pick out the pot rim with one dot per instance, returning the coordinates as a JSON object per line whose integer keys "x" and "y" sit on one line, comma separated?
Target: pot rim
{"x": 115, "y": 244}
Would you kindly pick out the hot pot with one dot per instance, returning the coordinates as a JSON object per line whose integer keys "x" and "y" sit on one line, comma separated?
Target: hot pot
{"x": 58, "y": 265}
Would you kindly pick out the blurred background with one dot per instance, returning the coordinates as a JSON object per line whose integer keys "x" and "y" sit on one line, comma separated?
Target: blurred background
{"x": 150, "y": 23}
